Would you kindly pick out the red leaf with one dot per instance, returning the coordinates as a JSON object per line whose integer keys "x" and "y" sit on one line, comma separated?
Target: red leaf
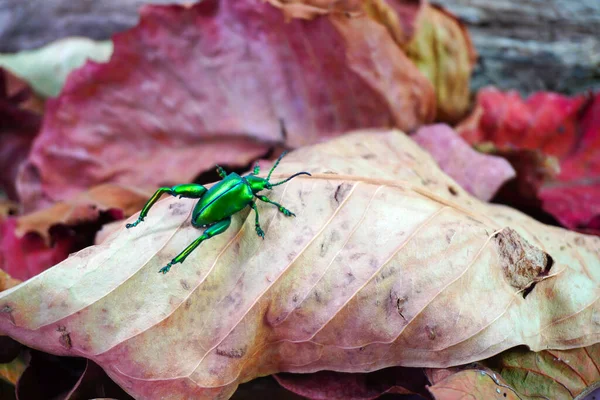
{"x": 24, "y": 257}
{"x": 565, "y": 127}
{"x": 192, "y": 86}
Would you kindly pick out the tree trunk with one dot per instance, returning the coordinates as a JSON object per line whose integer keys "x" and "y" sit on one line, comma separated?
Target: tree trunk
{"x": 533, "y": 45}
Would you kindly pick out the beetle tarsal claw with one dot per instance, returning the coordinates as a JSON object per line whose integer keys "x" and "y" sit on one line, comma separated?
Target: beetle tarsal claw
{"x": 165, "y": 269}
{"x": 132, "y": 224}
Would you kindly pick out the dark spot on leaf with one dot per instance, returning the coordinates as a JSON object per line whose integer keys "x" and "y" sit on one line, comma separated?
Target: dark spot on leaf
{"x": 7, "y": 310}
{"x": 350, "y": 277}
{"x": 187, "y": 304}
{"x": 579, "y": 241}
{"x": 233, "y": 353}
{"x": 295, "y": 298}
{"x": 474, "y": 220}
{"x": 361, "y": 348}
{"x": 431, "y": 334}
{"x": 317, "y": 297}
{"x": 291, "y": 256}
{"x": 184, "y": 285}
{"x": 341, "y": 192}
{"x": 400, "y": 305}
{"x": 65, "y": 337}
{"x": 449, "y": 235}
{"x": 323, "y": 250}
{"x": 384, "y": 274}
{"x": 452, "y": 190}
{"x": 369, "y": 156}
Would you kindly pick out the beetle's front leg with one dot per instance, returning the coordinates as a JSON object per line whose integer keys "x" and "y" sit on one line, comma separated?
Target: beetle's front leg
{"x": 259, "y": 231}
{"x": 188, "y": 190}
{"x": 281, "y": 208}
{"x": 211, "y": 231}
{"x": 221, "y": 172}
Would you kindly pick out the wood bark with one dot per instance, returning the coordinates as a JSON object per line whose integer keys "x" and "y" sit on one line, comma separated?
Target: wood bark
{"x": 533, "y": 45}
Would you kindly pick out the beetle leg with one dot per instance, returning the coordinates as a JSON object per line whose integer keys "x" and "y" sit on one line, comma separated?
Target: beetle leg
{"x": 256, "y": 169}
{"x": 211, "y": 231}
{"x": 259, "y": 231}
{"x": 281, "y": 208}
{"x": 188, "y": 190}
{"x": 221, "y": 172}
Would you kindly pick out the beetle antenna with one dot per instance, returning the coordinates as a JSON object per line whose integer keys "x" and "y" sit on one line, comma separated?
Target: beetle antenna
{"x": 275, "y": 165}
{"x": 293, "y": 176}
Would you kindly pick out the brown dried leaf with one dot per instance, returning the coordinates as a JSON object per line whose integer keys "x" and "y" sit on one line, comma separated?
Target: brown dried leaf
{"x": 388, "y": 262}
{"x": 551, "y": 374}
{"x": 473, "y": 384}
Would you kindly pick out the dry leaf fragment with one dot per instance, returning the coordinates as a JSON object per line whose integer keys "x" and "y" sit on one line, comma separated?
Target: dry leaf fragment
{"x": 552, "y": 374}
{"x": 6, "y": 281}
{"x": 388, "y": 262}
{"x": 32, "y": 243}
{"x": 527, "y": 375}
{"x": 442, "y": 50}
{"x": 85, "y": 207}
{"x": 473, "y": 384}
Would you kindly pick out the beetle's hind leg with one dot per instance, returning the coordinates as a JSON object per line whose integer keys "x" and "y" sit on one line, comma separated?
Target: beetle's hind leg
{"x": 188, "y": 190}
{"x": 211, "y": 231}
{"x": 281, "y": 208}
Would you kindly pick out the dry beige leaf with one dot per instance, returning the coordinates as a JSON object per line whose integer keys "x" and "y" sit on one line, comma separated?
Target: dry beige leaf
{"x": 388, "y": 262}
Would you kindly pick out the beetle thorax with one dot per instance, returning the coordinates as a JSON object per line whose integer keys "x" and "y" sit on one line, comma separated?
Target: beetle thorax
{"x": 256, "y": 183}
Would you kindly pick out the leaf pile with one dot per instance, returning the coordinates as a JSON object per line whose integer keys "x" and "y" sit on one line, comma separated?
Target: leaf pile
{"x": 283, "y": 302}
{"x": 394, "y": 278}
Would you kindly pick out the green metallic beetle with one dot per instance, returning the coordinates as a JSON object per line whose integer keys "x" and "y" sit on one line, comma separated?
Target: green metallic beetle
{"x": 217, "y": 204}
